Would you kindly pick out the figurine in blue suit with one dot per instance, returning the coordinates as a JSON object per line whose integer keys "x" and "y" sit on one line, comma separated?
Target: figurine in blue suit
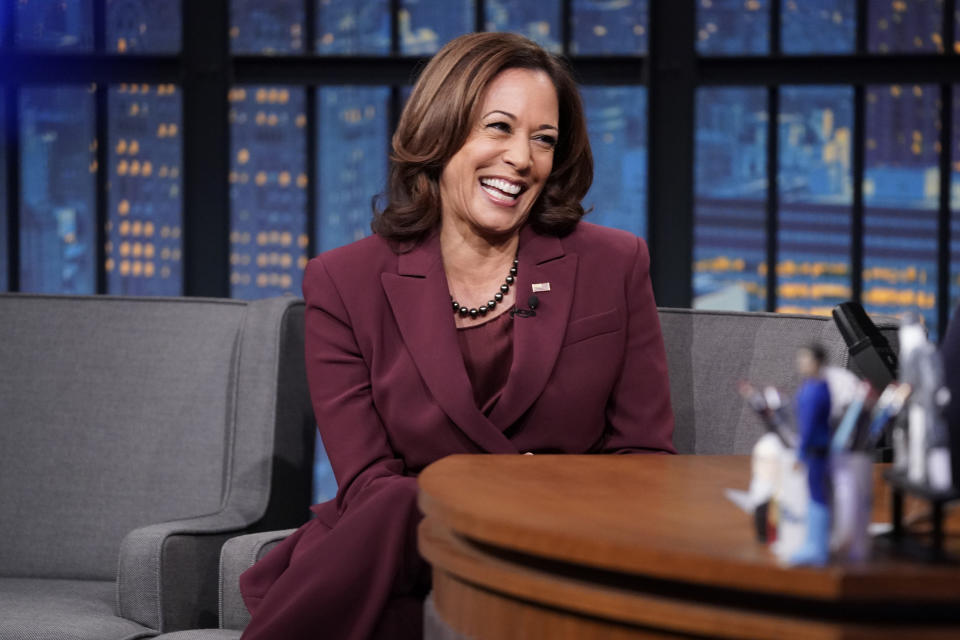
{"x": 813, "y": 423}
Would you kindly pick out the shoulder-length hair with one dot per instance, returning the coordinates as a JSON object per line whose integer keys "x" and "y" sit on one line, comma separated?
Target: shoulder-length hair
{"x": 438, "y": 118}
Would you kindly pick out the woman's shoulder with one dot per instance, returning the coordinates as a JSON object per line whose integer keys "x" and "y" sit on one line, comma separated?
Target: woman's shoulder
{"x": 370, "y": 254}
{"x": 593, "y": 238}
{"x": 351, "y": 268}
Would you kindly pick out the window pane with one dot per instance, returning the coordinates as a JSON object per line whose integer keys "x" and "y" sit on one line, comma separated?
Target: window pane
{"x": 955, "y": 204}
{"x": 609, "y": 26}
{"x": 815, "y": 197}
{"x": 427, "y": 25}
{"x": 729, "y": 250}
{"x": 362, "y": 26}
{"x": 905, "y": 26}
{"x": 57, "y": 187}
{"x": 268, "y": 186}
{"x": 901, "y": 193}
{"x": 134, "y": 26}
{"x": 733, "y": 27}
{"x": 352, "y": 144}
{"x": 144, "y": 203}
{"x": 617, "y": 123}
{"x": 818, "y": 26}
{"x": 62, "y": 25}
{"x": 539, "y": 21}
{"x": 266, "y": 26}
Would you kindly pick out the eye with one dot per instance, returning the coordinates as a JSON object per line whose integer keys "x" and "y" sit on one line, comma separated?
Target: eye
{"x": 547, "y": 140}
{"x": 500, "y": 125}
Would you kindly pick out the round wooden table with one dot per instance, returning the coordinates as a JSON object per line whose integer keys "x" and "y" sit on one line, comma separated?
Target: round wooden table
{"x": 647, "y": 547}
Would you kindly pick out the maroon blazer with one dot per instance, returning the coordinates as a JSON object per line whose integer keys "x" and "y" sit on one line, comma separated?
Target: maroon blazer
{"x": 391, "y": 395}
{"x": 391, "y": 392}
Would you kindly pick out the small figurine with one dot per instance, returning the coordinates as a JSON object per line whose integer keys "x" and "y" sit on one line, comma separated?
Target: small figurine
{"x": 813, "y": 425}
{"x": 927, "y": 435}
{"x": 764, "y": 480}
{"x": 765, "y": 461}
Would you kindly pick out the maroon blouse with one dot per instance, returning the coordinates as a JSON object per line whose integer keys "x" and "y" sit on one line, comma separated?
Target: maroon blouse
{"x": 488, "y": 353}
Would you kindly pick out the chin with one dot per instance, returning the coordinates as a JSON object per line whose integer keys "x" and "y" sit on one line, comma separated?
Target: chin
{"x": 496, "y": 226}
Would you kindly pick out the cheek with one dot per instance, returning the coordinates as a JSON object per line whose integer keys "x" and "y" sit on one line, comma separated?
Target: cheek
{"x": 458, "y": 174}
{"x": 450, "y": 179}
{"x": 543, "y": 169}
{"x": 544, "y": 164}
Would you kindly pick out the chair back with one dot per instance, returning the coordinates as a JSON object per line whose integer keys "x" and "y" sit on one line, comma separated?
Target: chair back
{"x": 710, "y": 352}
{"x": 121, "y": 412}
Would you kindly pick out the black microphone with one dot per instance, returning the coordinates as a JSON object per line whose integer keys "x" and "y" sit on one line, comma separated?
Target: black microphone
{"x": 868, "y": 349}
{"x": 533, "y": 302}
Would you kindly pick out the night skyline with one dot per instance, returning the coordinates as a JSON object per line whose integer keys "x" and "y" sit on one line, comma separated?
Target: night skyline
{"x": 269, "y": 188}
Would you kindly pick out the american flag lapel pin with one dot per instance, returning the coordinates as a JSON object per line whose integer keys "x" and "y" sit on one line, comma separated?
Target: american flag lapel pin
{"x": 541, "y": 286}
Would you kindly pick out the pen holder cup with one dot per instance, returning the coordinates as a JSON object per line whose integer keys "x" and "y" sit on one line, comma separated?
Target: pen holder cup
{"x": 851, "y": 474}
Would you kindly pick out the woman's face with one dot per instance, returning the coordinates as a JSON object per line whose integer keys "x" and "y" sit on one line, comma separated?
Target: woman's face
{"x": 489, "y": 185}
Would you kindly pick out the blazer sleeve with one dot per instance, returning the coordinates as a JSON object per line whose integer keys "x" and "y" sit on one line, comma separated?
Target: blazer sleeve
{"x": 353, "y": 434}
{"x": 639, "y": 414}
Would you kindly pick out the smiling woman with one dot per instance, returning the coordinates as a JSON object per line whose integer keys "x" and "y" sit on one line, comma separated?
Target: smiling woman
{"x": 445, "y": 108}
{"x": 416, "y": 349}
{"x": 490, "y": 184}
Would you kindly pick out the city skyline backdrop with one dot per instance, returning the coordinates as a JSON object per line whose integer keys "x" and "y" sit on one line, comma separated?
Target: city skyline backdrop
{"x": 268, "y": 149}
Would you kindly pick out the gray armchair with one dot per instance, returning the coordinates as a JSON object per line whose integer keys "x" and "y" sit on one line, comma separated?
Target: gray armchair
{"x": 238, "y": 555}
{"x": 136, "y": 436}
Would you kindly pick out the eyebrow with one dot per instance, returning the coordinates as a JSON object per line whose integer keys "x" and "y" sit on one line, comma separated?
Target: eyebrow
{"x": 513, "y": 117}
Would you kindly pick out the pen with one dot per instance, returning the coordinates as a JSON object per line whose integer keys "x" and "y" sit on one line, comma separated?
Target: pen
{"x": 841, "y": 438}
{"x": 888, "y": 406}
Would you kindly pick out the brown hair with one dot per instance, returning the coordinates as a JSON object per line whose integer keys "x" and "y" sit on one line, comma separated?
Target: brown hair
{"x": 437, "y": 120}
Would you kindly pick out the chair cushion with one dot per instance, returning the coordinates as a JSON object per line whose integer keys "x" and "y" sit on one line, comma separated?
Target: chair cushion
{"x": 39, "y": 609}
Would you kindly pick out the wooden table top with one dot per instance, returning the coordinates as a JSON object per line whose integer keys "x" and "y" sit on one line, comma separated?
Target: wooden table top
{"x": 661, "y": 517}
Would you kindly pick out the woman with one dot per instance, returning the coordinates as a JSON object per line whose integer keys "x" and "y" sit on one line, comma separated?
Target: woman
{"x": 414, "y": 348}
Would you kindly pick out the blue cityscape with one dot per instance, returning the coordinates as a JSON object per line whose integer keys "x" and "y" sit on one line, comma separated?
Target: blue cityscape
{"x": 900, "y": 187}
{"x": 346, "y": 28}
{"x": 269, "y": 166}
{"x": 144, "y": 202}
{"x": 268, "y": 187}
{"x": 57, "y": 190}
{"x": 353, "y": 135}
{"x": 270, "y": 172}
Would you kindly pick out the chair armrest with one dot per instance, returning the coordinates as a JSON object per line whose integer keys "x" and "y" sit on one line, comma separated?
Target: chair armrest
{"x": 238, "y": 555}
{"x": 167, "y": 572}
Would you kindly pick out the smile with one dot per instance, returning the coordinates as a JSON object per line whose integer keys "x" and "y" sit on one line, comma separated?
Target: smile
{"x": 502, "y": 190}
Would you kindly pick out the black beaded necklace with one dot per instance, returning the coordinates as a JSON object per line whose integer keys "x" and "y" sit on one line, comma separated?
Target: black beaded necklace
{"x": 497, "y": 297}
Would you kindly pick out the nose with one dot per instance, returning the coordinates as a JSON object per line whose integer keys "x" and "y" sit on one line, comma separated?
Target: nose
{"x": 517, "y": 153}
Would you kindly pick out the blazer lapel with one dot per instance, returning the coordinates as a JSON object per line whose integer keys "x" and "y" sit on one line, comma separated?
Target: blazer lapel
{"x": 419, "y": 297}
{"x": 537, "y": 340}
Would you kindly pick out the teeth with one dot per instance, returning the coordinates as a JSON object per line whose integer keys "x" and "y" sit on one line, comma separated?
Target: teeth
{"x": 503, "y": 185}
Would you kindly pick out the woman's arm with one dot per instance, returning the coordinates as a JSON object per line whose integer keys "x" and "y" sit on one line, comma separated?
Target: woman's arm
{"x": 639, "y": 415}
{"x": 353, "y": 434}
